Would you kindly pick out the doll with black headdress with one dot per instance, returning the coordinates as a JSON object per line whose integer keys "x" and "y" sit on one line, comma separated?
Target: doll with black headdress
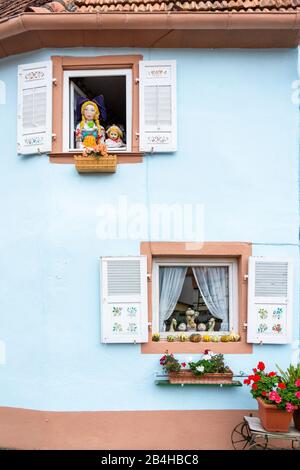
{"x": 89, "y": 132}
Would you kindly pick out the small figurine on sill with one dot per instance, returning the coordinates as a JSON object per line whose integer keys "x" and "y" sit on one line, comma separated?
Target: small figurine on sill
{"x": 181, "y": 327}
{"x": 89, "y": 133}
{"x": 191, "y": 315}
{"x": 201, "y": 327}
{"x": 173, "y": 325}
{"x": 211, "y": 324}
{"x": 114, "y": 137}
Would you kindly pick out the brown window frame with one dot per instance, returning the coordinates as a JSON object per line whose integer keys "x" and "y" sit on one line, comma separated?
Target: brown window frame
{"x": 63, "y": 63}
{"x": 238, "y": 250}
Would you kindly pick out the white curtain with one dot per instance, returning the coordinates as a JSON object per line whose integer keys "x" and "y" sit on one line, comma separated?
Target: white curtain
{"x": 213, "y": 285}
{"x": 171, "y": 281}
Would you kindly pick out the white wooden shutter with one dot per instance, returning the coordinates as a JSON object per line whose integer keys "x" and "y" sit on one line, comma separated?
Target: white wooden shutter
{"x": 270, "y": 300}
{"x": 75, "y": 93}
{"x": 35, "y": 108}
{"x": 158, "y": 121}
{"x": 124, "y": 316}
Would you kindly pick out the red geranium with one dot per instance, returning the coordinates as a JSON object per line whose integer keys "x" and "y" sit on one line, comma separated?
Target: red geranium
{"x": 273, "y": 389}
{"x": 261, "y": 366}
{"x": 162, "y": 360}
{"x": 170, "y": 363}
{"x": 282, "y": 386}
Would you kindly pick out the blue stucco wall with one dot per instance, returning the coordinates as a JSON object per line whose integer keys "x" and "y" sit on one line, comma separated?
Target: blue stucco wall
{"x": 237, "y": 155}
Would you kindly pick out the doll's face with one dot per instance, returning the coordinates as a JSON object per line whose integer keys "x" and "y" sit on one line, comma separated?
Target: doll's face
{"x": 90, "y": 112}
{"x": 113, "y": 135}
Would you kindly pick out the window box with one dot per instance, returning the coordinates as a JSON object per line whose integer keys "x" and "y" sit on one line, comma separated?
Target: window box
{"x": 163, "y": 381}
{"x": 188, "y": 377}
{"x": 96, "y": 164}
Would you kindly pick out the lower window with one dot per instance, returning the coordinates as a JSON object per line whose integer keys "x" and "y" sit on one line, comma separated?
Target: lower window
{"x": 198, "y": 295}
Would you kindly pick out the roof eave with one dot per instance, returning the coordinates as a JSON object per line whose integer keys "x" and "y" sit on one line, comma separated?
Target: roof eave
{"x": 167, "y": 21}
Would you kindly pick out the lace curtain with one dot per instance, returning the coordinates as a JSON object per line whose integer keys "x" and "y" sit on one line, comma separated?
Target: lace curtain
{"x": 171, "y": 281}
{"x": 213, "y": 285}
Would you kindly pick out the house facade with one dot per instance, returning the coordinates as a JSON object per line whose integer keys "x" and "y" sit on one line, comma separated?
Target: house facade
{"x": 202, "y": 213}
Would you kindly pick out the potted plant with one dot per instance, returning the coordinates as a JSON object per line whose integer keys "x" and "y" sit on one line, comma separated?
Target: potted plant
{"x": 276, "y": 399}
{"x": 291, "y": 377}
{"x": 95, "y": 160}
{"x": 209, "y": 369}
{"x": 170, "y": 363}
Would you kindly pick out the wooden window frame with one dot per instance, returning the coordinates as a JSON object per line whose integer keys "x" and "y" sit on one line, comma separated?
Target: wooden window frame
{"x": 69, "y": 125}
{"x": 237, "y": 250}
{"x": 67, "y": 63}
{"x": 231, "y": 263}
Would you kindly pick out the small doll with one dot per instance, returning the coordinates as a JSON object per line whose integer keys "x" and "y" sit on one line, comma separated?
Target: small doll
{"x": 114, "y": 137}
{"x": 89, "y": 132}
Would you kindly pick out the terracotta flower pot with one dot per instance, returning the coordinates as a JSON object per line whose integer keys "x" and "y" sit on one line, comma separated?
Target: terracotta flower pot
{"x": 272, "y": 418}
{"x": 296, "y": 416}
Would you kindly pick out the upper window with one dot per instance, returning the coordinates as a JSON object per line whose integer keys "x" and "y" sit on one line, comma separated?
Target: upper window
{"x": 107, "y": 91}
{"x": 195, "y": 296}
{"x": 70, "y": 103}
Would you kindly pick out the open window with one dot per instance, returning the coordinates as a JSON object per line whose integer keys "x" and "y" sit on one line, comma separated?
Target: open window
{"x": 195, "y": 296}
{"x": 139, "y": 99}
{"x": 115, "y": 88}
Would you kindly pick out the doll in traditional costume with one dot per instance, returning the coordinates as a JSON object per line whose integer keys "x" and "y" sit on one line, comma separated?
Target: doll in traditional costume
{"x": 89, "y": 132}
{"x": 114, "y": 137}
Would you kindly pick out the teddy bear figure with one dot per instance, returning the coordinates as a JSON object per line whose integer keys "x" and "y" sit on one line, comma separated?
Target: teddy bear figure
{"x": 191, "y": 315}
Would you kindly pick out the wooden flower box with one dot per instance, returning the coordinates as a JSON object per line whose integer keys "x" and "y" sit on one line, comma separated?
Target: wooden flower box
{"x": 92, "y": 164}
{"x": 188, "y": 377}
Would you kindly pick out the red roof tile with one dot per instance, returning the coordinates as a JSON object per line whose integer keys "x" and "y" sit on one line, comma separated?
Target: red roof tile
{"x": 10, "y": 8}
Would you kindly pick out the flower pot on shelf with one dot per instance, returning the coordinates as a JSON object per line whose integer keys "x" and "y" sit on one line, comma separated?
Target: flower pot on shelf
{"x": 296, "y": 416}
{"x": 91, "y": 164}
{"x": 188, "y": 377}
{"x": 273, "y": 419}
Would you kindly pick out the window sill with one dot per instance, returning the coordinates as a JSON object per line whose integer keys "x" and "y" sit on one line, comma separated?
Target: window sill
{"x": 68, "y": 158}
{"x": 160, "y": 347}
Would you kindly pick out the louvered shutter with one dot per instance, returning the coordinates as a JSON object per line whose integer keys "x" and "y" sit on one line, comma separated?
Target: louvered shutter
{"x": 158, "y": 119}
{"x": 124, "y": 317}
{"x": 270, "y": 300}
{"x": 35, "y": 108}
{"x": 2, "y": 92}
